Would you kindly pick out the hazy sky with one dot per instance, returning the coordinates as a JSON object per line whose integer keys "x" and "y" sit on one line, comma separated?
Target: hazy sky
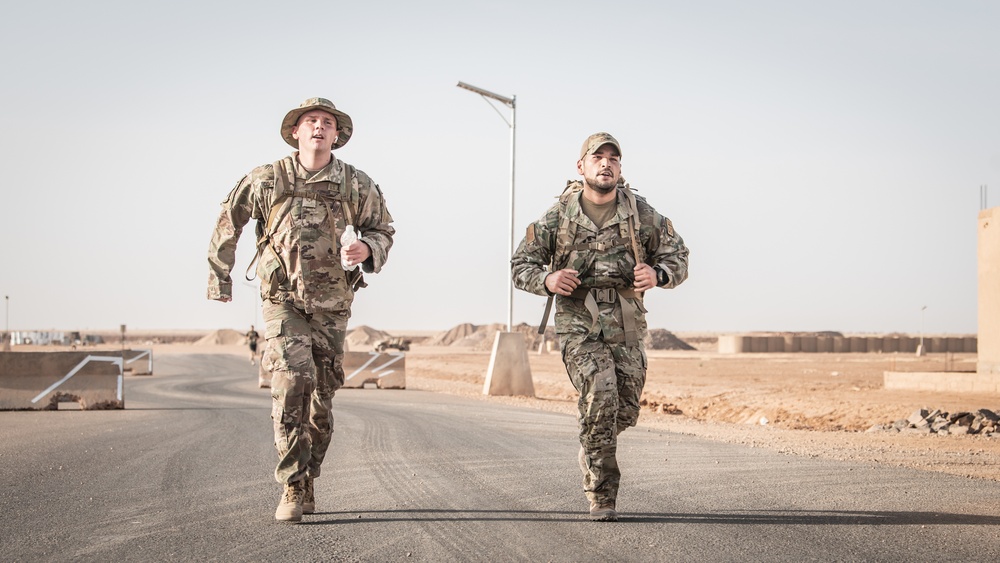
{"x": 822, "y": 160}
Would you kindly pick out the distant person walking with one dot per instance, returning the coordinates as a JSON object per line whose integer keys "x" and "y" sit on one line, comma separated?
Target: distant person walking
{"x": 252, "y": 336}
{"x": 596, "y": 251}
{"x": 304, "y": 204}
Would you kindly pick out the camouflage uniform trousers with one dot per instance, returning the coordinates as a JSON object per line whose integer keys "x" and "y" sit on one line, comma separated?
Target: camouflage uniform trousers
{"x": 609, "y": 377}
{"x": 305, "y": 356}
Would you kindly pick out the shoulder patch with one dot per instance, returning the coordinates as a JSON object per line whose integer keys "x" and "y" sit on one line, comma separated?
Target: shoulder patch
{"x": 232, "y": 192}
{"x": 264, "y": 171}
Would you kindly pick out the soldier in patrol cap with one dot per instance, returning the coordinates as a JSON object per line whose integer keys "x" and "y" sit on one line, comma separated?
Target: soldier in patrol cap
{"x": 303, "y": 203}
{"x": 596, "y": 251}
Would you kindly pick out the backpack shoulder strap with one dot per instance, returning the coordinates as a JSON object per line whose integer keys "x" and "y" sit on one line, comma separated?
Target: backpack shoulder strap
{"x": 565, "y": 233}
{"x": 633, "y": 224}
{"x": 284, "y": 184}
{"x": 349, "y": 198}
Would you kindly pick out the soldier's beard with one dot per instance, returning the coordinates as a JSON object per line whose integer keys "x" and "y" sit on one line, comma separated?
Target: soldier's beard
{"x": 603, "y": 189}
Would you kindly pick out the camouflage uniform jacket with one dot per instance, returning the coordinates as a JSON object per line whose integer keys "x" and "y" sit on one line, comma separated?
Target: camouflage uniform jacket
{"x": 302, "y": 257}
{"x": 566, "y": 238}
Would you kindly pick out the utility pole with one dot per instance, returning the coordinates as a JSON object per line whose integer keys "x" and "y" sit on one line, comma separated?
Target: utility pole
{"x": 6, "y": 334}
{"x": 920, "y": 347}
{"x": 512, "y": 104}
{"x": 509, "y": 372}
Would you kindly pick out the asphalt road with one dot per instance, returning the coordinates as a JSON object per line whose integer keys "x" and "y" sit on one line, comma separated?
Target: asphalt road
{"x": 184, "y": 473}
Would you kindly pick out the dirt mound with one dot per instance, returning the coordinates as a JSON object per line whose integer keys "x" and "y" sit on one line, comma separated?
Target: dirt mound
{"x": 449, "y": 337}
{"x": 482, "y": 337}
{"x": 225, "y": 337}
{"x": 364, "y": 337}
{"x": 661, "y": 339}
{"x": 531, "y": 337}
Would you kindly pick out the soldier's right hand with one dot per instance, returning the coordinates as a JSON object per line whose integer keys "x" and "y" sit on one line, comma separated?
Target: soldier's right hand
{"x": 562, "y": 281}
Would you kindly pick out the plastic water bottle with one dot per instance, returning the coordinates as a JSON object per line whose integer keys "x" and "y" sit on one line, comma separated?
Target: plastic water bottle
{"x": 347, "y": 239}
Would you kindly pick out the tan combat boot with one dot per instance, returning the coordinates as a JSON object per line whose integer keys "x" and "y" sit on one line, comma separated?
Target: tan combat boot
{"x": 308, "y": 497}
{"x": 603, "y": 511}
{"x": 290, "y": 506}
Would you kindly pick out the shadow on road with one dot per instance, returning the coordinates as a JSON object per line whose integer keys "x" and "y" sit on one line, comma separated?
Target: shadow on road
{"x": 779, "y": 518}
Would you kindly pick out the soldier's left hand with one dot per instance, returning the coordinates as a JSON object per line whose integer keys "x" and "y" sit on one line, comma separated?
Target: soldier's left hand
{"x": 645, "y": 277}
{"x": 356, "y": 253}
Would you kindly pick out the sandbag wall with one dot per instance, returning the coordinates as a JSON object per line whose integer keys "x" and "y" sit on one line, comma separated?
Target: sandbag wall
{"x": 744, "y": 343}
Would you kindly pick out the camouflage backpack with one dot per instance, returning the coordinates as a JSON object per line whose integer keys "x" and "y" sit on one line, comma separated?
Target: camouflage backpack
{"x": 566, "y": 234}
{"x": 282, "y": 181}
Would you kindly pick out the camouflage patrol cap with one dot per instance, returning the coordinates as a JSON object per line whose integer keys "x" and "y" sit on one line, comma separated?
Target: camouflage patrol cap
{"x": 596, "y": 141}
{"x": 344, "y": 124}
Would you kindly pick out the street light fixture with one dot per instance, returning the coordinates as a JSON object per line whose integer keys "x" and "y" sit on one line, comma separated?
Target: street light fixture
{"x": 512, "y": 104}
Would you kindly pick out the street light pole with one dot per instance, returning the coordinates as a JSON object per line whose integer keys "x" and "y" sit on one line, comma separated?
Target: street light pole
{"x": 6, "y": 334}
{"x": 920, "y": 348}
{"x": 512, "y": 104}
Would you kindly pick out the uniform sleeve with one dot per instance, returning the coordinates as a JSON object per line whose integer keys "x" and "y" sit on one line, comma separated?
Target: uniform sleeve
{"x": 237, "y": 210}
{"x": 668, "y": 252}
{"x": 374, "y": 223}
{"x": 529, "y": 265}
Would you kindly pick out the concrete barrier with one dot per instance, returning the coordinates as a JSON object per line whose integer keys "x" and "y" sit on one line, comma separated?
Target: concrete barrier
{"x": 953, "y": 382}
{"x": 385, "y": 370}
{"x": 138, "y": 362}
{"x": 42, "y": 380}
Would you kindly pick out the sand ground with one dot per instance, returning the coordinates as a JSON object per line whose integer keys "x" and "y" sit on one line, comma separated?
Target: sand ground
{"x": 817, "y": 405}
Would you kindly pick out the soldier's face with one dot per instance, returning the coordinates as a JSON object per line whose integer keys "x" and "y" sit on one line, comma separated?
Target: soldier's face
{"x": 316, "y": 130}
{"x": 602, "y": 169}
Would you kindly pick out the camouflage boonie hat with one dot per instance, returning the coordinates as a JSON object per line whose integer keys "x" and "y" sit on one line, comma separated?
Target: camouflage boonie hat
{"x": 344, "y": 124}
{"x": 596, "y": 141}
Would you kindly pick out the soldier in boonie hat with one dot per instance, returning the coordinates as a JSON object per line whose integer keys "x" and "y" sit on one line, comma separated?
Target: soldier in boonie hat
{"x": 321, "y": 223}
{"x": 345, "y": 127}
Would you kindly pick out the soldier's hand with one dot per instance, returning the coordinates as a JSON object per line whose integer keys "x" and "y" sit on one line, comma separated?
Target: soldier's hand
{"x": 645, "y": 277}
{"x": 355, "y": 253}
{"x": 562, "y": 281}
